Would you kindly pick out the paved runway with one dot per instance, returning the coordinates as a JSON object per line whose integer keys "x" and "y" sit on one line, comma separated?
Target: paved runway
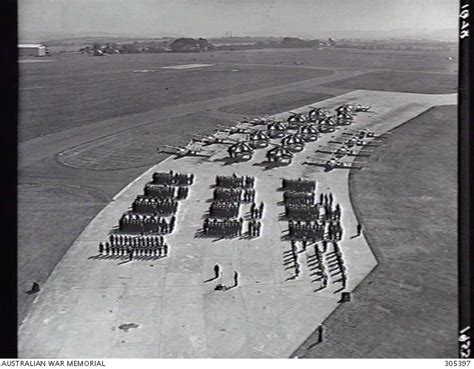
{"x": 177, "y": 315}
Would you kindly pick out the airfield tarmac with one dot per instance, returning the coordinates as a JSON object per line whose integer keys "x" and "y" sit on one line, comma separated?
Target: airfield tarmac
{"x": 99, "y": 156}
{"x": 177, "y": 315}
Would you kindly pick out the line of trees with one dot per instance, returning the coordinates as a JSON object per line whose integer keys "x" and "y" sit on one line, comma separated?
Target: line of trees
{"x": 186, "y": 44}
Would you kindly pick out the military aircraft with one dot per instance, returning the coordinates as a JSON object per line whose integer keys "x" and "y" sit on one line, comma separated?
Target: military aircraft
{"x": 293, "y": 142}
{"x": 343, "y": 151}
{"x": 309, "y": 132}
{"x": 258, "y": 139}
{"x": 316, "y": 114}
{"x": 257, "y": 121}
{"x": 241, "y": 151}
{"x": 326, "y": 128}
{"x": 276, "y": 129}
{"x": 233, "y": 129}
{"x": 279, "y": 154}
{"x": 217, "y": 138}
{"x": 364, "y": 133}
{"x": 295, "y": 120}
{"x": 344, "y": 119}
{"x": 191, "y": 149}
{"x": 355, "y": 141}
{"x": 335, "y": 163}
{"x": 345, "y": 108}
{"x": 362, "y": 108}
{"x": 327, "y": 125}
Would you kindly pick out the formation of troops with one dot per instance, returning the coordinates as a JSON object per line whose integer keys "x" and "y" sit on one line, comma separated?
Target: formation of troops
{"x": 152, "y": 215}
{"x": 223, "y": 228}
{"x": 127, "y": 245}
{"x": 309, "y": 220}
{"x": 326, "y": 263}
{"x": 146, "y": 204}
{"x": 315, "y": 221}
{"x": 224, "y": 218}
{"x": 146, "y": 223}
{"x": 161, "y": 192}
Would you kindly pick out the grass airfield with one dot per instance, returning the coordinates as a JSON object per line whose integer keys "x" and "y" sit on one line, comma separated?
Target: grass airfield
{"x": 88, "y": 173}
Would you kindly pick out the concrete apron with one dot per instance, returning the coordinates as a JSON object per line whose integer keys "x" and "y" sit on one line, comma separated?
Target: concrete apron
{"x": 84, "y": 301}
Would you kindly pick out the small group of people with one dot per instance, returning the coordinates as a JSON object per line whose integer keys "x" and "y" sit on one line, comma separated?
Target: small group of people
{"x": 254, "y": 228}
{"x": 326, "y": 198}
{"x": 334, "y": 230}
{"x": 171, "y": 178}
{"x": 336, "y": 266}
{"x": 331, "y": 213}
{"x": 248, "y": 195}
{"x": 294, "y": 257}
{"x": 319, "y": 267}
{"x": 256, "y": 212}
{"x": 235, "y": 181}
{"x": 315, "y": 262}
{"x": 146, "y": 223}
{"x": 154, "y": 205}
{"x": 218, "y": 274}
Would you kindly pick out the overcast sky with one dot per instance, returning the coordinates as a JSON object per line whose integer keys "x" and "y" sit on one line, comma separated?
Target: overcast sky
{"x": 211, "y": 18}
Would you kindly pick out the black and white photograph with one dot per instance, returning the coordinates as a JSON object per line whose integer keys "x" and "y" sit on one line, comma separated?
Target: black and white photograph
{"x": 239, "y": 179}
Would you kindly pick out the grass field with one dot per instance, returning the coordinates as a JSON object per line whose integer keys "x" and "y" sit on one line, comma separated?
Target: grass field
{"x": 273, "y": 104}
{"x": 425, "y": 83}
{"x": 72, "y": 92}
{"x": 328, "y": 57}
{"x": 406, "y": 199}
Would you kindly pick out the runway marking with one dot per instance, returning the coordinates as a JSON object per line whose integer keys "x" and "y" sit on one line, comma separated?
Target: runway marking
{"x": 144, "y": 70}
{"x": 32, "y": 88}
{"x": 34, "y": 61}
{"x": 188, "y": 66}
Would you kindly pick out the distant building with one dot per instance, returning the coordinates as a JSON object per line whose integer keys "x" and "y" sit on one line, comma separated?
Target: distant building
{"x": 189, "y": 45}
{"x": 31, "y": 50}
{"x": 298, "y": 43}
{"x": 292, "y": 42}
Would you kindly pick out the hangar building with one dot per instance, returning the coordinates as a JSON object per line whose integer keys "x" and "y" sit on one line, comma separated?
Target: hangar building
{"x": 31, "y": 50}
